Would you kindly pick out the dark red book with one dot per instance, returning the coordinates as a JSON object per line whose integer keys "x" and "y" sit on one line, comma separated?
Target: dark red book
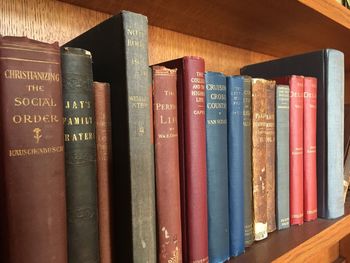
{"x": 192, "y": 147}
{"x": 296, "y": 148}
{"x": 33, "y": 226}
{"x": 167, "y": 165}
{"x": 310, "y": 181}
{"x": 102, "y": 98}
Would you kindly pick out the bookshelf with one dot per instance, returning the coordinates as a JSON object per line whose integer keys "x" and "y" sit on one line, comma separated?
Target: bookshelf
{"x": 227, "y": 34}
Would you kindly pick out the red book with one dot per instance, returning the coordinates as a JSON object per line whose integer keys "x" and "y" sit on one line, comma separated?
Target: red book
{"x": 310, "y": 182}
{"x": 104, "y": 166}
{"x": 296, "y": 148}
{"x": 167, "y": 165}
{"x": 192, "y": 147}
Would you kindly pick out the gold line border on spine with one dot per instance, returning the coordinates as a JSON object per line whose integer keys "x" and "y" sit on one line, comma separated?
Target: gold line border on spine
{"x": 29, "y": 46}
{"x": 27, "y": 49}
{"x": 30, "y": 60}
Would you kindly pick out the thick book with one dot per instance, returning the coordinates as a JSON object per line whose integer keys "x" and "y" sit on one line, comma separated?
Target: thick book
{"x": 166, "y": 140}
{"x": 259, "y": 157}
{"x": 102, "y": 97}
{"x": 247, "y": 162}
{"x": 80, "y": 155}
{"x": 327, "y": 66}
{"x": 217, "y": 167}
{"x": 282, "y": 156}
{"x": 235, "y": 88}
{"x": 32, "y": 178}
{"x": 192, "y": 148}
{"x": 310, "y": 181}
{"x": 120, "y": 57}
{"x": 270, "y": 155}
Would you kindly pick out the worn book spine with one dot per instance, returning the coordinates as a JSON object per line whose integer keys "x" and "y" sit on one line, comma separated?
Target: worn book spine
{"x": 195, "y": 161}
{"x": 310, "y": 181}
{"x": 270, "y": 155}
{"x": 335, "y": 133}
{"x": 193, "y": 171}
{"x": 282, "y": 156}
{"x": 217, "y": 167}
{"x": 296, "y": 149}
{"x": 104, "y": 166}
{"x": 259, "y": 157}
{"x": 235, "y": 162}
{"x": 80, "y": 156}
{"x": 120, "y": 45}
{"x": 247, "y": 161}
{"x": 167, "y": 165}
{"x": 32, "y": 180}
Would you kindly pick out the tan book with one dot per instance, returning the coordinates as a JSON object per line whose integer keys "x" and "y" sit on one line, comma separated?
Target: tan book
{"x": 259, "y": 156}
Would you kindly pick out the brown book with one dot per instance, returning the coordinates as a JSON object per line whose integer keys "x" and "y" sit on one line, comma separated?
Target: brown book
{"x": 167, "y": 165}
{"x": 270, "y": 155}
{"x": 259, "y": 87}
{"x": 32, "y": 177}
{"x": 104, "y": 166}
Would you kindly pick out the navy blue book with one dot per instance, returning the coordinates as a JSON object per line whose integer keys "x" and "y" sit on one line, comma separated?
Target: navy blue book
{"x": 235, "y": 85}
{"x": 217, "y": 167}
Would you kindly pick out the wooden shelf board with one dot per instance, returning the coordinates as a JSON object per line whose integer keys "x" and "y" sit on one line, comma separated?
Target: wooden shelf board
{"x": 277, "y": 28}
{"x": 299, "y": 243}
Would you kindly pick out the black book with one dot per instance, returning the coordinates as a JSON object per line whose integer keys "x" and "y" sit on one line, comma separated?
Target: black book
{"x": 327, "y": 66}
{"x": 119, "y": 48}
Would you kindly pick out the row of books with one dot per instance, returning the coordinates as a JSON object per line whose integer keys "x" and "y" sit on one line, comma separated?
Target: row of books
{"x": 186, "y": 181}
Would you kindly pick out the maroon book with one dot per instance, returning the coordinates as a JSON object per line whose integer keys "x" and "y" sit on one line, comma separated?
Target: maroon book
{"x": 296, "y": 147}
{"x": 32, "y": 174}
{"x": 104, "y": 166}
{"x": 192, "y": 148}
{"x": 310, "y": 181}
{"x": 167, "y": 165}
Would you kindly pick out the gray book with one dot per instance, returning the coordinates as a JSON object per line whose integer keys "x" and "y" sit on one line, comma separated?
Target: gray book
{"x": 282, "y": 156}
{"x": 247, "y": 162}
{"x": 119, "y": 47}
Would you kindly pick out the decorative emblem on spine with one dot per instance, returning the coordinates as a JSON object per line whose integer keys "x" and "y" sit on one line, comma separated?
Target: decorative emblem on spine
{"x": 37, "y": 134}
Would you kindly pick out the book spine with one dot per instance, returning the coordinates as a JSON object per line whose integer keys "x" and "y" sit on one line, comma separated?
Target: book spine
{"x": 104, "y": 166}
{"x": 217, "y": 169}
{"x": 33, "y": 202}
{"x": 195, "y": 163}
{"x": 167, "y": 165}
{"x": 258, "y": 157}
{"x": 140, "y": 138}
{"x": 296, "y": 149}
{"x": 247, "y": 162}
{"x": 282, "y": 156}
{"x": 80, "y": 156}
{"x": 235, "y": 162}
{"x": 335, "y": 133}
{"x": 310, "y": 183}
{"x": 270, "y": 155}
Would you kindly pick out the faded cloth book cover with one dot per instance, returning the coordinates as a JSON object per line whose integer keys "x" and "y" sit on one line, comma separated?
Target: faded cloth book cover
{"x": 217, "y": 167}
{"x": 80, "y": 156}
{"x": 32, "y": 179}
{"x": 102, "y": 96}
{"x": 166, "y": 141}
